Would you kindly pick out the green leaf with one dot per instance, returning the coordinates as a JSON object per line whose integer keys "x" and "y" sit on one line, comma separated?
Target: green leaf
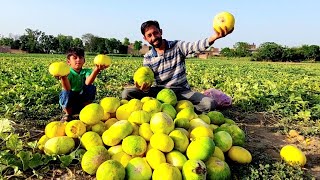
{"x": 32, "y": 144}
{"x": 35, "y": 161}
{"x": 77, "y": 154}
{"x": 25, "y": 157}
{"x": 14, "y": 143}
{"x": 5, "y": 125}
{"x": 46, "y": 159}
{"x": 65, "y": 160}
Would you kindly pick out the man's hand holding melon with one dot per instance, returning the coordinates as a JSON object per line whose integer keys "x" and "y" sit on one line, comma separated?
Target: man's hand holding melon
{"x": 223, "y": 24}
{"x": 143, "y": 78}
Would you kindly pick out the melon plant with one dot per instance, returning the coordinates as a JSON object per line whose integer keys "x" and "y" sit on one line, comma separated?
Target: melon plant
{"x": 59, "y": 69}
{"x": 143, "y": 75}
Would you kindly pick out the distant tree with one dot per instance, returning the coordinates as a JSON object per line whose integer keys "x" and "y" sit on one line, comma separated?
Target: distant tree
{"x": 242, "y": 49}
{"x": 126, "y": 41}
{"x": 310, "y": 52}
{"x": 227, "y": 52}
{"x": 113, "y": 45}
{"x": 77, "y": 42}
{"x": 65, "y": 42}
{"x": 48, "y": 43}
{"x": 87, "y": 41}
{"x": 269, "y": 51}
{"x": 16, "y": 44}
{"x": 6, "y": 41}
{"x": 30, "y": 41}
{"x": 292, "y": 54}
{"x": 137, "y": 46}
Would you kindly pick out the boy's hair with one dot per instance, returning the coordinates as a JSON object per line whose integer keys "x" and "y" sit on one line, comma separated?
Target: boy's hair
{"x": 149, "y": 23}
{"x": 75, "y": 51}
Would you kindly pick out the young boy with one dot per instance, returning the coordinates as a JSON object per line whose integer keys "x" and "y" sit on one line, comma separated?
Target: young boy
{"x": 77, "y": 87}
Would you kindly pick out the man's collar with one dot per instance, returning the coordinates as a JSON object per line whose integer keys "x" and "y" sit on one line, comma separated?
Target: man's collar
{"x": 168, "y": 45}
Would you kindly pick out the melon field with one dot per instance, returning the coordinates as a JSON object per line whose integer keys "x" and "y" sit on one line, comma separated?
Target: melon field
{"x": 275, "y": 104}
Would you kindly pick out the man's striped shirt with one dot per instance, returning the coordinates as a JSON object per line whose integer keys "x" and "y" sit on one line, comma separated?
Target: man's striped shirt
{"x": 169, "y": 68}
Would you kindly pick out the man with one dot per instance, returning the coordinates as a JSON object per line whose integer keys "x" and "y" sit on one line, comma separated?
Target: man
{"x": 167, "y": 61}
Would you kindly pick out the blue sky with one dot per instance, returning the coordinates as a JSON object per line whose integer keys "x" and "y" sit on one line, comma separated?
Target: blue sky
{"x": 286, "y": 22}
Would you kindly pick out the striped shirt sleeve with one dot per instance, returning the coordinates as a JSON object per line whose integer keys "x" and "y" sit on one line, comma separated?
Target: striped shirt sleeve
{"x": 194, "y": 47}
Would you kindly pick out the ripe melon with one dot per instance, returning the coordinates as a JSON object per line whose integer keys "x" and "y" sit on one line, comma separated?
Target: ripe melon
{"x": 152, "y": 106}
{"x": 194, "y": 169}
{"x": 223, "y": 19}
{"x": 91, "y": 114}
{"x": 42, "y": 141}
{"x": 181, "y": 141}
{"x": 145, "y": 131}
{"x": 54, "y": 129}
{"x": 59, "y": 69}
{"x": 293, "y": 155}
{"x": 91, "y": 139}
{"x": 93, "y": 158}
{"x": 110, "y": 104}
{"x": 75, "y": 128}
{"x": 183, "y": 104}
{"x": 166, "y": 171}
{"x": 102, "y": 59}
{"x": 162, "y": 142}
{"x": 111, "y": 169}
{"x": 239, "y": 155}
{"x": 161, "y": 123}
{"x": 59, "y": 145}
{"x": 155, "y": 157}
{"x": 176, "y": 158}
{"x": 139, "y": 117}
{"x": 138, "y": 168}
{"x": 143, "y": 75}
{"x": 134, "y": 145}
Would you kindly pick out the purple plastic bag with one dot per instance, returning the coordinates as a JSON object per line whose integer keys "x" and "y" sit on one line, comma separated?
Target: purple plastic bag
{"x": 221, "y": 98}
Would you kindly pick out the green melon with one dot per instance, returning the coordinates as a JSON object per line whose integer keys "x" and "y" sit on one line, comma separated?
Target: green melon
{"x": 217, "y": 169}
{"x": 223, "y": 140}
{"x": 237, "y": 134}
{"x": 201, "y": 148}
{"x": 167, "y": 96}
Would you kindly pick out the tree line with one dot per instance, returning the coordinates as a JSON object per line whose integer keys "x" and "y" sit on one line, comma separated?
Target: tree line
{"x": 271, "y": 51}
{"x": 36, "y": 41}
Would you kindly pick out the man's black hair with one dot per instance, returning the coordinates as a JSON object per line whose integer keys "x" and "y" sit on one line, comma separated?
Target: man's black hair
{"x": 75, "y": 51}
{"x": 149, "y": 23}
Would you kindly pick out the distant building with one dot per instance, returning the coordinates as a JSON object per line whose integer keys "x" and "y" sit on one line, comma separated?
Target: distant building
{"x": 252, "y": 47}
{"x": 209, "y": 53}
{"x": 7, "y": 49}
{"x": 142, "y": 51}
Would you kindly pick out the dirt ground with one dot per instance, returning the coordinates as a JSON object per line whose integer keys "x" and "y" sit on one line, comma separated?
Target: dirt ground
{"x": 263, "y": 136}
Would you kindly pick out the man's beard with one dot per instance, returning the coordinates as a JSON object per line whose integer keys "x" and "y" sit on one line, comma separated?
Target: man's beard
{"x": 159, "y": 43}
